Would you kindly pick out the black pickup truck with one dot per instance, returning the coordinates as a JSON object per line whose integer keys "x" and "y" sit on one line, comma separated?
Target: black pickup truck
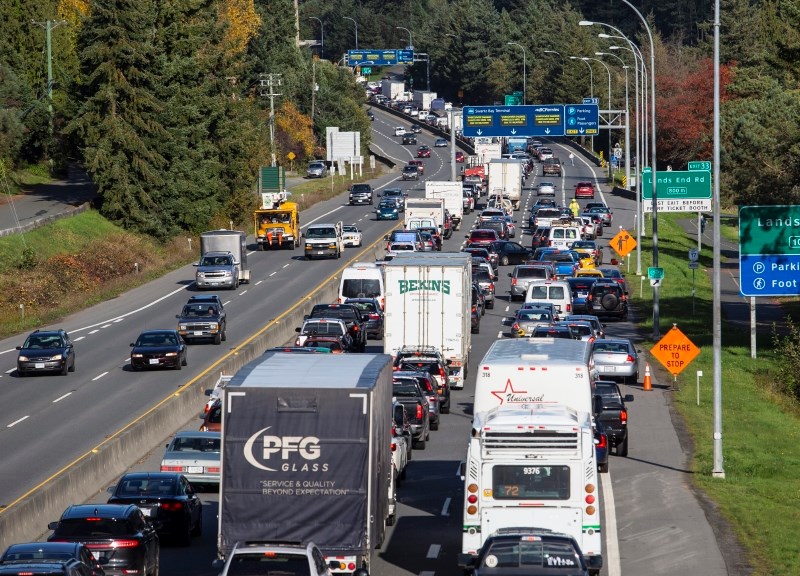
{"x": 202, "y": 318}
{"x": 614, "y": 414}
{"x": 356, "y": 323}
{"x": 406, "y": 390}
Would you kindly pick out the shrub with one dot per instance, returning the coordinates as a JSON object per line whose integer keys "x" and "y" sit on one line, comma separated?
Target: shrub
{"x": 787, "y": 349}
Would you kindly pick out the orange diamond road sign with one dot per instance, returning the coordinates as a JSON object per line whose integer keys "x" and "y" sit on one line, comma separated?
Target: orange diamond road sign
{"x": 623, "y": 243}
{"x": 675, "y": 351}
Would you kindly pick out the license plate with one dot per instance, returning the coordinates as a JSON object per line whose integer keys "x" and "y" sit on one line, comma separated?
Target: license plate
{"x": 198, "y": 332}
{"x": 320, "y": 251}
{"x": 194, "y": 469}
{"x": 147, "y": 511}
{"x": 611, "y": 368}
{"x": 39, "y": 365}
{"x": 583, "y": 294}
{"x": 153, "y": 361}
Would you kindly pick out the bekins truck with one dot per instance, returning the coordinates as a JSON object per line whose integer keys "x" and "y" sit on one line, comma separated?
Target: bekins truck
{"x": 428, "y": 302}
{"x": 453, "y": 195}
{"x": 306, "y": 454}
{"x": 505, "y": 178}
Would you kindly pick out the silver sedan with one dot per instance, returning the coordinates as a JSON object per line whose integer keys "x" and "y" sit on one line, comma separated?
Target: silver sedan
{"x": 196, "y": 455}
{"x": 616, "y": 358}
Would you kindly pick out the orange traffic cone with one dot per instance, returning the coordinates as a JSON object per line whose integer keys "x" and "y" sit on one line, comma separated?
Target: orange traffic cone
{"x": 647, "y": 385}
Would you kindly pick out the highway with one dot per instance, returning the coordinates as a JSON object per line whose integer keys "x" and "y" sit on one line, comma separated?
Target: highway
{"x": 652, "y": 522}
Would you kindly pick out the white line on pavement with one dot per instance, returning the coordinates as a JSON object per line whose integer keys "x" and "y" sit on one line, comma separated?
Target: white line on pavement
{"x": 611, "y": 559}
{"x": 15, "y": 422}
{"x": 99, "y": 376}
{"x": 60, "y": 398}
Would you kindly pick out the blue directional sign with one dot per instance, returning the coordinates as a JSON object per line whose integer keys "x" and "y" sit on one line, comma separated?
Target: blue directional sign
{"x": 531, "y": 120}
{"x": 379, "y": 57}
{"x": 769, "y": 250}
{"x": 581, "y": 119}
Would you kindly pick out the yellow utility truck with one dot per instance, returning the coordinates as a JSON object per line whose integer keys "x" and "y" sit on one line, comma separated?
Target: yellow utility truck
{"x": 277, "y": 222}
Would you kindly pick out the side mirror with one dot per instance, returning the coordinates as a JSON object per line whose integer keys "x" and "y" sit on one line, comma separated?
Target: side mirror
{"x": 628, "y": 398}
{"x": 219, "y": 564}
{"x": 177, "y": 315}
{"x": 462, "y": 470}
{"x": 510, "y": 274}
{"x": 132, "y": 344}
{"x": 466, "y": 562}
{"x": 52, "y": 525}
{"x": 196, "y": 264}
{"x": 297, "y": 329}
{"x": 110, "y": 489}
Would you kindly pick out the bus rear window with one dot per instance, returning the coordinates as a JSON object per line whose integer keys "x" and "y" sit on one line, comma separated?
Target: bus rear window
{"x": 530, "y": 483}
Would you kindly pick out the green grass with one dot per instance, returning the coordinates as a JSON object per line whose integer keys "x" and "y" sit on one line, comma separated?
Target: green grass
{"x": 760, "y": 428}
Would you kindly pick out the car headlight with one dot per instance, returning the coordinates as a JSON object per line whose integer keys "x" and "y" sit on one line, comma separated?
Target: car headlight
{"x": 57, "y": 357}
{"x": 182, "y": 327}
{"x": 137, "y": 355}
{"x": 23, "y": 358}
{"x": 201, "y": 274}
{"x": 228, "y": 274}
{"x": 168, "y": 354}
{"x": 213, "y": 325}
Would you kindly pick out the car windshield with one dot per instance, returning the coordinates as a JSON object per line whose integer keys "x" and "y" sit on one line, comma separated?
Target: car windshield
{"x": 388, "y": 205}
{"x": 611, "y": 347}
{"x": 320, "y": 233}
{"x": 531, "y": 272}
{"x": 405, "y": 389}
{"x": 365, "y": 306}
{"x": 155, "y": 340}
{"x": 349, "y": 228}
{"x": 361, "y": 188}
{"x": 198, "y": 311}
{"x": 43, "y": 342}
{"x": 268, "y": 564}
{"x": 216, "y": 261}
{"x": 533, "y": 316}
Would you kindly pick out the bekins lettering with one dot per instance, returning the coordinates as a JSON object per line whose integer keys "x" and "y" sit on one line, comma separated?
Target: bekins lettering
{"x": 777, "y": 222}
{"x": 442, "y": 286}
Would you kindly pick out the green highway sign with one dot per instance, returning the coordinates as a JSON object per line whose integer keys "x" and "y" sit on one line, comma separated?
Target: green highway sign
{"x": 700, "y": 165}
{"x": 655, "y": 273}
{"x": 677, "y": 184}
{"x": 769, "y": 250}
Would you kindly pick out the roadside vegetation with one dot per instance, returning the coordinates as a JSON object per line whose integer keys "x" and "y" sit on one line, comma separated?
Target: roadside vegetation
{"x": 761, "y": 414}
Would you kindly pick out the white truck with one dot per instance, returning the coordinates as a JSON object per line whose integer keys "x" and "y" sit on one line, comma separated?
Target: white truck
{"x": 453, "y": 195}
{"x": 531, "y": 459}
{"x": 505, "y": 179}
{"x": 393, "y": 90}
{"x": 223, "y": 260}
{"x": 420, "y": 212}
{"x": 306, "y": 454}
{"x": 428, "y": 303}
{"x": 423, "y": 99}
{"x": 324, "y": 240}
{"x": 488, "y": 151}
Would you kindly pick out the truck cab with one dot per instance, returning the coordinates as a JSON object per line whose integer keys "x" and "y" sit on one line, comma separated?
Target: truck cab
{"x": 217, "y": 270}
{"x": 324, "y": 240}
{"x": 277, "y": 227}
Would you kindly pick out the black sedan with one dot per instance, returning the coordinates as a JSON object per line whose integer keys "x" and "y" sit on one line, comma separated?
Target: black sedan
{"x": 158, "y": 349}
{"x": 372, "y": 312}
{"x": 166, "y": 499}
{"x": 46, "y": 351}
{"x": 510, "y": 252}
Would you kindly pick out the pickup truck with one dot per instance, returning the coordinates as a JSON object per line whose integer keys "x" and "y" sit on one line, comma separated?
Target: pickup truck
{"x": 551, "y": 167}
{"x": 356, "y": 324}
{"x": 201, "y": 320}
{"x": 614, "y": 414}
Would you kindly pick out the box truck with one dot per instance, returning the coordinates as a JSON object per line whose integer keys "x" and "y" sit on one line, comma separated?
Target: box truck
{"x": 393, "y": 90}
{"x": 306, "y": 454}
{"x": 428, "y": 303}
{"x": 453, "y": 195}
{"x": 423, "y": 213}
{"x": 424, "y": 99}
{"x": 505, "y": 179}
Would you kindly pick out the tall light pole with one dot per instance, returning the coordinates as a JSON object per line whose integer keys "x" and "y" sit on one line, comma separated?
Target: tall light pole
{"x": 354, "y": 24}
{"x": 609, "y": 109}
{"x": 656, "y": 310}
{"x": 524, "y": 71}
{"x": 410, "y": 39}
{"x": 321, "y": 36}
{"x": 591, "y": 74}
{"x": 627, "y": 119}
{"x": 560, "y": 56}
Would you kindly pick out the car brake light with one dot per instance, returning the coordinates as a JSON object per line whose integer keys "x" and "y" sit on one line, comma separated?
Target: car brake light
{"x": 213, "y": 469}
{"x": 419, "y": 412}
{"x": 442, "y": 372}
{"x": 172, "y": 468}
{"x": 394, "y": 446}
{"x": 602, "y": 442}
{"x": 623, "y": 416}
{"x": 513, "y": 281}
{"x": 569, "y": 307}
{"x": 171, "y": 506}
{"x": 629, "y": 358}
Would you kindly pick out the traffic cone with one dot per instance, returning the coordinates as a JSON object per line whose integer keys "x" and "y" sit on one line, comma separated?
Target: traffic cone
{"x": 647, "y": 385}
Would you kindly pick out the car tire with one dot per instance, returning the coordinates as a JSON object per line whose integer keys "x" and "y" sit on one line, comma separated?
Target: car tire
{"x": 65, "y": 369}
{"x": 504, "y": 260}
{"x": 435, "y": 425}
{"x": 603, "y": 468}
{"x": 622, "y": 448}
{"x": 157, "y": 568}
{"x": 420, "y": 444}
{"x": 490, "y": 305}
{"x": 446, "y": 408}
{"x": 609, "y": 302}
{"x": 72, "y": 366}
{"x": 198, "y": 528}
{"x": 224, "y": 335}
{"x": 218, "y": 338}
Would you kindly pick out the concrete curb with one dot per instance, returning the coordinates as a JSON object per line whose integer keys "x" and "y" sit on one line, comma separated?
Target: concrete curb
{"x": 27, "y": 518}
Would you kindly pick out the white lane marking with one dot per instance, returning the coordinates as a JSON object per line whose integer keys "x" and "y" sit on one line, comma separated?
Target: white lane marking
{"x": 507, "y": 307}
{"x": 10, "y": 370}
{"x": 106, "y": 326}
{"x": 259, "y": 282}
{"x": 60, "y": 398}
{"x": 117, "y": 320}
{"x": 94, "y": 331}
{"x": 611, "y": 560}
{"x": 446, "y": 507}
{"x": 273, "y": 274}
{"x": 99, "y": 376}
{"x": 78, "y": 339}
{"x": 286, "y": 265}
{"x": 242, "y": 292}
{"x": 433, "y": 551}
{"x": 500, "y": 334}
{"x": 15, "y": 422}
{"x": 226, "y": 302}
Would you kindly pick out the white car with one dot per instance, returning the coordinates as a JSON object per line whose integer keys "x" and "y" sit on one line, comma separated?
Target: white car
{"x": 351, "y": 235}
{"x": 546, "y": 189}
{"x": 399, "y": 131}
{"x": 320, "y": 327}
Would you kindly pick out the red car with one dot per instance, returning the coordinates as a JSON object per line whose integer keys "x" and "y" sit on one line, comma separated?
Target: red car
{"x": 584, "y": 190}
{"x": 482, "y": 237}
{"x": 423, "y": 152}
{"x": 419, "y": 164}
{"x": 459, "y": 156}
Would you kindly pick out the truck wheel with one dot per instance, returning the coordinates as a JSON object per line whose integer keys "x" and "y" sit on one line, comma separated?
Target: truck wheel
{"x": 390, "y": 520}
{"x": 419, "y": 444}
{"x": 603, "y": 468}
{"x": 504, "y": 260}
{"x": 435, "y": 425}
{"x": 218, "y": 338}
{"x": 622, "y": 448}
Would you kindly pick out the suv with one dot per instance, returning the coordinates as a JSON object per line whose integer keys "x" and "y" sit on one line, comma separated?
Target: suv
{"x": 428, "y": 387}
{"x": 202, "y": 321}
{"x": 486, "y": 283}
{"x": 21, "y": 555}
{"x": 119, "y": 536}
{"x": 607, "y": 298}
{"x": 217, "y": 270}
{"x": 409, "y": 138}
{"x": 526, "y": 551}
{"x": 522, "y": 276}
{"x": 360, "y": 194}
{"x": 46, "y": 351}
{"x": 273, "y": 558}
{"x": 410, "y": 173}
{"x": 350, "y": 313}
{"x": 397, "y": 196}
{"x": 407, "y": 391}
{"x": 614, "y": 414}
{"x": 323, "y": 327}
{"x": 584, "y": 190}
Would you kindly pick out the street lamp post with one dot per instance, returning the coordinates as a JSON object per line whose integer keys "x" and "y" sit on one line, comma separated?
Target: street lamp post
{"x": 627, "y": 119}
{"x": 321, "y": 36}
{"x": 410, "y": 39}
{"x": 524, "y": 71}
{"x": 609, "y": 108}
{"x": 354, "y": 24}
{"x": 591, "y": 74}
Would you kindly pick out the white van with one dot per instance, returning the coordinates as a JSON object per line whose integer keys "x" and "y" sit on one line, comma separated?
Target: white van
{"x": 554, "y": 292}
{"x": 562, "y": 237}
{"x": 362, "y": 280}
